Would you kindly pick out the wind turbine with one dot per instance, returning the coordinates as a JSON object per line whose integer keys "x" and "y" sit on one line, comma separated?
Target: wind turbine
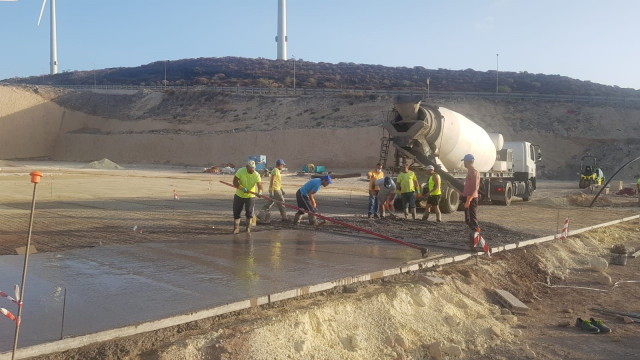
{"x": 54, "y": 47}
{"x": 281, "y": 39}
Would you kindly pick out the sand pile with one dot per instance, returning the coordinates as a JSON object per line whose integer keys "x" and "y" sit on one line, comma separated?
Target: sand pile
{"x": 103, "y": 164}
{"x": 383, "y": 323}
{"x": 583, "y": 199}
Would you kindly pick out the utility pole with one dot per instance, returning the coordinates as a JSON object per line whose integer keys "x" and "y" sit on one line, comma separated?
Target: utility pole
{"x": 294, "y": 73}
{"x": 165, "y": 74}
{"x": 497, "y": 73}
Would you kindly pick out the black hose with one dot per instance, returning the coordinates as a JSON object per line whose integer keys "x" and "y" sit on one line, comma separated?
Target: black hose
{"x": 611, "y": 178}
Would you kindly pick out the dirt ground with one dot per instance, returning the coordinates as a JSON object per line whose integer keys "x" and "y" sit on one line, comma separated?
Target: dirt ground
{"x": 396, "y": 318}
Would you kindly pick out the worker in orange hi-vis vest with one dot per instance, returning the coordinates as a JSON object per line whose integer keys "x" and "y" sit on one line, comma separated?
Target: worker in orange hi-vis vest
{"x": 373, "y": 175}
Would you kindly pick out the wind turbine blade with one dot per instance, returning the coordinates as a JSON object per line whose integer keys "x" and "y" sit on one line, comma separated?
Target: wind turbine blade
{"x": 44, "y": 2}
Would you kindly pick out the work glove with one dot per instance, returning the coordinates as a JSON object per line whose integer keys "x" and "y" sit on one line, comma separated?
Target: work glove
{"x": 283, "y": 193}
{"x": 244, "y": 189}
{"x": 259, "y": 193}
{"x": 270, "y": 194}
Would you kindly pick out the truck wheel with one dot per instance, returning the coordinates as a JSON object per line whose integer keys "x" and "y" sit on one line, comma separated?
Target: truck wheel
{"x": 450, "y": 201}
{"x": 582, "y": 184}
{"x": 508, "y": 195}
{"x": 528, "y": 191}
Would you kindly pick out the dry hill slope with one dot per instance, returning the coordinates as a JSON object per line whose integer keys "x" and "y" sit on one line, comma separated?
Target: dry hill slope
{"x": 205, "y": 127}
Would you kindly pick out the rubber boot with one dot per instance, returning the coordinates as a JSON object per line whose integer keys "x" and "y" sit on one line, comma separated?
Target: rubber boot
{"x": 236, "y": 226}
{"x": 406, "y": 213}
{"x": 296, "y": 219}
{"x": 382, "y": 214}
{"x": 249, "y": 223}
{"x": 413, "y": 213}
{"x": 283, "y": 214}
{"x": 312, "y": 220}
{"x": 439, "y": 217}
{"x": 426, "y": 214}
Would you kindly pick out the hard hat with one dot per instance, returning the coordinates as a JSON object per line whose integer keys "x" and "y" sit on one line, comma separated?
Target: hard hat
{"x": 251, "y": 164}
{"x": 430, "y": 167}
{"x": 468, "y": 158}
{"x": 280, "y": 162}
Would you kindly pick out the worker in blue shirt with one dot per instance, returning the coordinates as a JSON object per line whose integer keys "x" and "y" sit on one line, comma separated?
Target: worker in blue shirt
{"x": 306, "y": 199}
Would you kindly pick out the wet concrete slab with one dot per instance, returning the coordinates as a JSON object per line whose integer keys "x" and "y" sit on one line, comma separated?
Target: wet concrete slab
{"x": 114, "y": 286}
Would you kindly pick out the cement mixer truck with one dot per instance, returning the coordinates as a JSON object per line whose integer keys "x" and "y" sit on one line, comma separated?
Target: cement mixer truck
{"x": 431, "y": 135}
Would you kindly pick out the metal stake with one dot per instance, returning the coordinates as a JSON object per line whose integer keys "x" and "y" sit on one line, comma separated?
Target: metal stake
{"x": 35, "y": 179}
{"x": 557, "y": 224}
{"x": 64, "y": 307}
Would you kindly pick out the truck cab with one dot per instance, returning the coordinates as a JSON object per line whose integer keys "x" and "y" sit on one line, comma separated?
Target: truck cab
{"x": 525, "y": 156}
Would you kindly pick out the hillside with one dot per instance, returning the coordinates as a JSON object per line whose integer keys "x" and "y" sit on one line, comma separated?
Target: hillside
{"x": 206, "y": 127}
{"x": 234, "y": 71}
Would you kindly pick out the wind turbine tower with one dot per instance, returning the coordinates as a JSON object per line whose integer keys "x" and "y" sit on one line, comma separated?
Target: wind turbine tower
{"x": 281, "y": 39}
{"x": 54, "y": 46}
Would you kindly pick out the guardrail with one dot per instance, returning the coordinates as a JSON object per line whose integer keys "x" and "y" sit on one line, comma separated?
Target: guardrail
{"x": 364, "y": 93}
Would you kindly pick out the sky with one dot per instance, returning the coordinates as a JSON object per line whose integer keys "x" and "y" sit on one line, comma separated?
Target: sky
{"x": 582, "y": 39}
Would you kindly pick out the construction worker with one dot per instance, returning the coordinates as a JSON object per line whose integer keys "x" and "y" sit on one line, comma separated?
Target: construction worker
{"x": 408, "y": 189}
{"x": 470, "y": 195}
{"x": 276, "y": 191}
{"x": 386, "y": 195}
{"x": 245, "y": 181}
{"x": 374, "y": 175}
{"x": 306, "y": 197}
{"x": 433, "y": 195}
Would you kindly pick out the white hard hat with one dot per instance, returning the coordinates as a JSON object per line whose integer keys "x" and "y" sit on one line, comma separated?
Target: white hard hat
{"x": 430, "y": 167}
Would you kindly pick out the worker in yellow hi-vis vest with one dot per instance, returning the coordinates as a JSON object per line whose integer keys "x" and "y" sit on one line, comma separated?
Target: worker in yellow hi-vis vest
{"x": 433, "y": 195}
{"x": 407, "y": 187}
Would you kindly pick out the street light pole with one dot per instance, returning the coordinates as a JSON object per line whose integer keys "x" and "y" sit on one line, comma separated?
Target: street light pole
{"x": 497, "y": 73}
{"x": 165, "y": 74}
{"x": 294, "y": 73}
